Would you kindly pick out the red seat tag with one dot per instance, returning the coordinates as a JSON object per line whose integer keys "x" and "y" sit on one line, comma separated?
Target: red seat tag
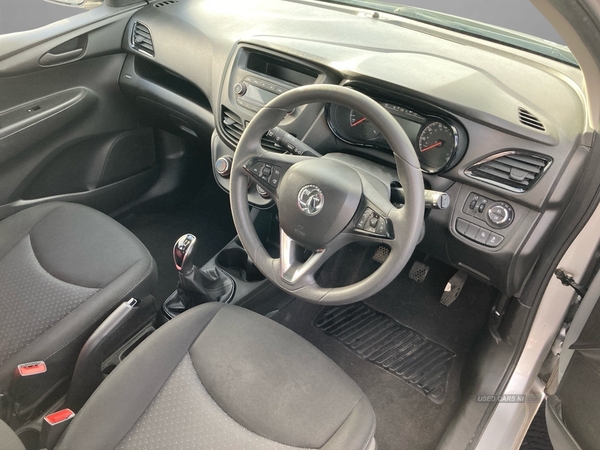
{"x": 32, "y": 368}
{"x": 59, "y": 416}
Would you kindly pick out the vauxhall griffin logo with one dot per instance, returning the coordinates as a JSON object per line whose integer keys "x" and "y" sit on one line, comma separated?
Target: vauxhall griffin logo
{"x": 310, "y": 200}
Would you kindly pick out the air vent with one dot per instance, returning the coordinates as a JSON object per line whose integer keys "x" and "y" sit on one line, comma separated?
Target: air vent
{"x": 141, "y": 40}
{"x": 165, "y": 3}
{"x": 233, "y": 128}
{"x": 530, "y": 120}
{"x": 232, "y": 125}
{"x": 516, "y": 171}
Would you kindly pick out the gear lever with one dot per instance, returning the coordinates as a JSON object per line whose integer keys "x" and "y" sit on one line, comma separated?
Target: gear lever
{"x": 195, "y": 286}
{"x": 183, "y": 252}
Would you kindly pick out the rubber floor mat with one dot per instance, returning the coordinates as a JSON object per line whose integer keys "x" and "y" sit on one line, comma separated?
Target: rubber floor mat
{"x": 537, "y": 437}
{"x": 381, "y": 340}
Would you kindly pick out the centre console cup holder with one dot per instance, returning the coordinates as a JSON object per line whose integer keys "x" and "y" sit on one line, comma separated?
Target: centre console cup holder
{"x": 236, "y": 262}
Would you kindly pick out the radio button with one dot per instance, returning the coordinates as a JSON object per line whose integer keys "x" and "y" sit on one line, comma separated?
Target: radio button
{"x": 239, "y": 89}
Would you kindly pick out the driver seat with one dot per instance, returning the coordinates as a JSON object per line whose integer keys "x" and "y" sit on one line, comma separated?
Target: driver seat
{"x": 221, "y": 377}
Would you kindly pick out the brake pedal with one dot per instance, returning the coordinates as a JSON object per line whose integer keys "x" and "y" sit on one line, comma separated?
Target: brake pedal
{"x": 418, "y": 271}
{"x": 381, "y": 254}
{"x": 453, "y": 288}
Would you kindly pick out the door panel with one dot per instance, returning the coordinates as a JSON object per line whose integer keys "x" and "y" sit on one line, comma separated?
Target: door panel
{"x": 66, "y": 131}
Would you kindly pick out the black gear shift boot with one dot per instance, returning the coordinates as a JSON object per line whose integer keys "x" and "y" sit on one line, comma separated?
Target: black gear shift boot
{"x": 173, "y": 306}
{"x": 209, "y": 284}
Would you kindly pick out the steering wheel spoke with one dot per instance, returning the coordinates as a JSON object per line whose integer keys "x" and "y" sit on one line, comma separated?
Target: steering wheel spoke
{"x": 295, "y": 267}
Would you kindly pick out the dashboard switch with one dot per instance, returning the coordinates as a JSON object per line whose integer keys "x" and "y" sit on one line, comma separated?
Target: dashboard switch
{"x": 472, "y": 231}
{"x": 470, "y": 206}
{"x": 482, "y": 236}
{"x": 478, "y": 234}
{"x": 362, "y": 222}
{"x": 275, "y": 176}
{"x": 382, "y": 227}
{"x": 373, "y": 221}
{"x": 223, "y": 166}
{"x": 461, "y": 226}
{"x": 500, "y": 215}
{"x": 494, "y": 240}
{"x": 239, "y": 88}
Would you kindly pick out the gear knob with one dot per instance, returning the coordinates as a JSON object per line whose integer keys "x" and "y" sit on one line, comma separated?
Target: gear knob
{"x": 183, "y": 252}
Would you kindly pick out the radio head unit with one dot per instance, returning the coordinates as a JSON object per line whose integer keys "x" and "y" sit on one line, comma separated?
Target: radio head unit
{"x": 253, "y": 92}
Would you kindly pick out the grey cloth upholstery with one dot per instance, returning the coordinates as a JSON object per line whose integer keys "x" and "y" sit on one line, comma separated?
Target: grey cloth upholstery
{"x": 184, "y": 415}
{"x": 63, "y": 269}
{"x": 8, "y": 439}
{"x": 221, "y": 377}
{"x": 23, "y": 281}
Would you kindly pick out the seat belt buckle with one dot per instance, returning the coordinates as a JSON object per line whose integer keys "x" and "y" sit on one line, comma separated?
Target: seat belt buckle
{"x": 54, "y": 426}
{"x": 32, "y": 368}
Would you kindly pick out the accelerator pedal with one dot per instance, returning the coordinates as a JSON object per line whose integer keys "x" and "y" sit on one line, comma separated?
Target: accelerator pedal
{"x": 418, "y": 271}
{"x": 453, "y": 288}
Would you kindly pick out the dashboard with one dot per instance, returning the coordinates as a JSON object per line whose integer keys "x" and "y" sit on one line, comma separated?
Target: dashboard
{"x": 495, "y": 128}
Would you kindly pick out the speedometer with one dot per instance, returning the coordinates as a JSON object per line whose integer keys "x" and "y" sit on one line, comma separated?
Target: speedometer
{"x": 437, "y": 144}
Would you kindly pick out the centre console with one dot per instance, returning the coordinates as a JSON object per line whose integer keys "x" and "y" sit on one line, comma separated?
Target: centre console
{"x": 229, "y": 277}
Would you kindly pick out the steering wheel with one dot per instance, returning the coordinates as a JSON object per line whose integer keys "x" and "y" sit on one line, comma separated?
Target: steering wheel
{"x": 325, "y": 204}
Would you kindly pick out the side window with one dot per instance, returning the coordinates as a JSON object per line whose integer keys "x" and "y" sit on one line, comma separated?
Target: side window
{"x": 23, "y": 15}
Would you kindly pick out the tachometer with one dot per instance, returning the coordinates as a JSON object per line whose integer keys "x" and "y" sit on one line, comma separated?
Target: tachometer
{"x": 437, "y": 144}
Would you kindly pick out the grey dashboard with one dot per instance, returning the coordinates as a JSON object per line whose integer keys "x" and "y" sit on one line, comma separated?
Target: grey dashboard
{"x": 514, "y": 119}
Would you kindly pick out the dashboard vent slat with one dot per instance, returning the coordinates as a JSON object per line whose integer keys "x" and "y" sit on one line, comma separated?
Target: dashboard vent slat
{"x": 233, "y": 128}
{"x": 165, "y": 3}
{"x": 232, "y": 125}
{"x": 530, "y": 120}
{"x": 514, "y": 170}
{"x": 141, "y": 39}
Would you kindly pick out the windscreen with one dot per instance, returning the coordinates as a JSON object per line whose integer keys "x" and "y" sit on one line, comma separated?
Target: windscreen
{"x": 516, "y": 23}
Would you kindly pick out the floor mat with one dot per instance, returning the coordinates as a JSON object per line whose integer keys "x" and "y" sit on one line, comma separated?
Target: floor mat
{"x": 537, "y": 436}
{"x": 406, "y": 419}
{"x": 381, "y": 340}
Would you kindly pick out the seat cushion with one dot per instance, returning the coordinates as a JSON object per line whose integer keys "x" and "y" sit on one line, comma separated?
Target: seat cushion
{"x": 222, "y": 377}
{"x": 8, "y": 439}
{"x": 63, "y": 269}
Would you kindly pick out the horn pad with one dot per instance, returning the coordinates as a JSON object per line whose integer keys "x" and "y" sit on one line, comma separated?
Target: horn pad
{"x": 317, "y": 199}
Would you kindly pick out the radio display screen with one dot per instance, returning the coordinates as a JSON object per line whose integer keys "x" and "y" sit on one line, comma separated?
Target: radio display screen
{"x": 258, "y": 95}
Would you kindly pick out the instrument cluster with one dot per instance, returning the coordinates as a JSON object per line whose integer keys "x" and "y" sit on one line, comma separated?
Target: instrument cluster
{"x": 439, "y": 142}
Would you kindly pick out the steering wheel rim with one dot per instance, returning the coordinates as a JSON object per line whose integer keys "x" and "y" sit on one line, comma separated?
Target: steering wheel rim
{"x": 407, "y": 222}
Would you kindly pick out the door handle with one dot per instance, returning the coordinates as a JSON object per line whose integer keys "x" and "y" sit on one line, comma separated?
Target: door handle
{"x": 53, "y": 59}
